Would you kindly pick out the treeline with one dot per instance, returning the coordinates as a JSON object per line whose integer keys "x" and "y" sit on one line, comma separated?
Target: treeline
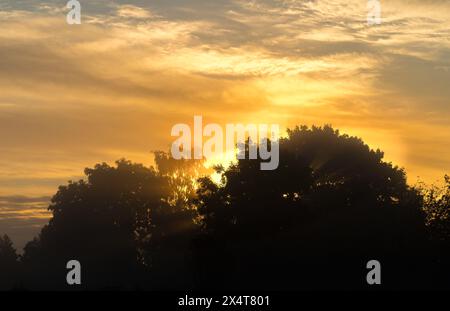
{"x": 332, "y": 205}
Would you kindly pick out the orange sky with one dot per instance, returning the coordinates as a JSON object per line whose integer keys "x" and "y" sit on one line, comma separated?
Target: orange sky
{"x": 75, "y": 95}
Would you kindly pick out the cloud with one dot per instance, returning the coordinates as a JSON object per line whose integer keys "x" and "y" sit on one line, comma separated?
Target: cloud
{"x": 132, "y": 11}
{"x": 20, "y": 199}
{"x": 115, "y": 85}
{"x": 21, "y": 217}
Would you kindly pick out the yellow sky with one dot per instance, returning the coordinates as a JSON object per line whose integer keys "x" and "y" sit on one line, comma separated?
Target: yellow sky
{"x": 75, "y": 95}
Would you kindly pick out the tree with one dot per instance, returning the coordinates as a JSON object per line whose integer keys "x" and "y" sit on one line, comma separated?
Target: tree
{"x": 331, "y": 204}
{"x": 9, "y": 265}
{"x": 436, "y": 201}
{"x": 436, "y": 205}
{"x": 120, "y": 223}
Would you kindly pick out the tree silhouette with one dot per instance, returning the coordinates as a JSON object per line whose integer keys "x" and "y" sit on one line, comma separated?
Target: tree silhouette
{"x": 436, "y": 203}
{"x": 9, "y": 265}
{"x": 332, "y": 205}
{"x": 437, "y": 207}
{"x": 120, "y": 224}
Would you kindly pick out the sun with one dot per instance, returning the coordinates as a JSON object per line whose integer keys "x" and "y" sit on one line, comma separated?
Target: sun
{"x": 225, "y": 160}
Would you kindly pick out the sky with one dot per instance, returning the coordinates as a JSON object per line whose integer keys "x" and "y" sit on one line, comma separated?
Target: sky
{"x": 72, "y": 96}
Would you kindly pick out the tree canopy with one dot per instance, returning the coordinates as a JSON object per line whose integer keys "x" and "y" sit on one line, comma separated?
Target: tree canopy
{"x": 332, "y": 205}
{"x": 8, "y": 264}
